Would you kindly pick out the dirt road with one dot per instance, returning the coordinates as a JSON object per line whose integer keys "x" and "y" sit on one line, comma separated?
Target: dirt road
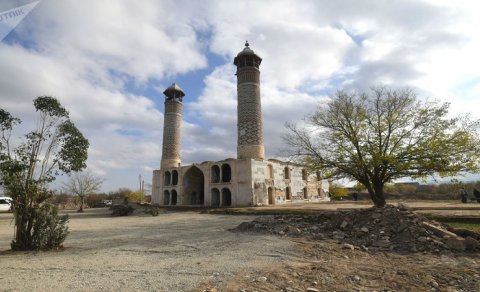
{"x": 171, "y": 252}
{"x": 189, "y": 251}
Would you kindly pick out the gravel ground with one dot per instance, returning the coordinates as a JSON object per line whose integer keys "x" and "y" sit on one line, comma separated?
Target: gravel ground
{"x": 188, "y": 251}
{"x": 171, "y": 252}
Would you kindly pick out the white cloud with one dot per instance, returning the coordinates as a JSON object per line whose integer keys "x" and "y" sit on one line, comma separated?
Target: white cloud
{"x": 96, "y": 56}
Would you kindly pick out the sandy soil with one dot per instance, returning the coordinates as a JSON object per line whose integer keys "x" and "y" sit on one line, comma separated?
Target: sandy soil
{"x": 170, "y": 252}
{"x": 326, "y": 266}
{"x": 188, "y": 251}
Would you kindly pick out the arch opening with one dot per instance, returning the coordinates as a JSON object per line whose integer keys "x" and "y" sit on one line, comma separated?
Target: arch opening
{"x": 215, "y": 197}
{"x": 271, "y": 200}
{"x": 166, "y": 197}
{"x": 193, "y": 186}
{"x": 270, "y": 171}
{"x": 304, "y": 174}
{"x": 226, "y": 197}
{"x": 167, "y": 178}
{"x": 174, "y": 177}
{"x": 226, "y": 173}
{"x": 174, "y": 197}
{"x": 215, "y": 174}
{"x": 288, "y": 193}
{"x": 286, "y": 173}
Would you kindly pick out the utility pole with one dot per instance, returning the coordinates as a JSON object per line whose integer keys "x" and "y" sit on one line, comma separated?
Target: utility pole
{"x": 141, "y": 183}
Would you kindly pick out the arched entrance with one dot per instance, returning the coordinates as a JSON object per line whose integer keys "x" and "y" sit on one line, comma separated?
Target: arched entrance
{"x": 215, "y": 197}
{"x": 215, "y": 174}
{"x": 226, "y": 197}
{"x": 174, "y": 197}
{"x": 271, "y": 201}
{"x": 193, "y": 187}
{"x": 167, "y": 178}
{"x": 226, "y": 173}
{"x": 174, "y": 177}
{"x": 166, "y": 197}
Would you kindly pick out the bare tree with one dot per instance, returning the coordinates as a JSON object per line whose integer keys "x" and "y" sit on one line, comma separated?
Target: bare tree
{"x": 82, "y": 184}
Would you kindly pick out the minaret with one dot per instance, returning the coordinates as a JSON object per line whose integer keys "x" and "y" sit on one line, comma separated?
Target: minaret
{"x": 249, "y": 107}
{"x": 172, "y": 124}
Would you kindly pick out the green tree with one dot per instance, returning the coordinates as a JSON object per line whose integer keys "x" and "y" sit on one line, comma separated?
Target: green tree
{"x": 337, "y": 191}
{"x": 383, "y": 135}
{"x": 129, "y": 195}
{"x": 26, "y": 168}
{"x": 82, "y": 184}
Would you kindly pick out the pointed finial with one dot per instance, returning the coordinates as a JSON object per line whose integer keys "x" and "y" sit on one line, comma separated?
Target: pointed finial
{"x": 247, "y": 44}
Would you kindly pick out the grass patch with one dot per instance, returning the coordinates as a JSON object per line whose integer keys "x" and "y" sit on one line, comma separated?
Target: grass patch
{"x": 469, "y": 223}
{"x": 463, "y": 225}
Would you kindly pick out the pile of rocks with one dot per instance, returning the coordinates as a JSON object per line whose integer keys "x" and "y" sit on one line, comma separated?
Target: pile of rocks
{"x": 122, "y": 210}
{"x": 388, "y": 228}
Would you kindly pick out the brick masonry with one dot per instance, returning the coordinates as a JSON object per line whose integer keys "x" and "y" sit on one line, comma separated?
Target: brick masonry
{"x": 249, "y": 112}
{"x": 171, "y": 134}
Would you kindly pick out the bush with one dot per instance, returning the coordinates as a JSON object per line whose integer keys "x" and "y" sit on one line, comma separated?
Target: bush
{"x": 338, "y": 192}
{"x": 152, "y": 210}
{"x": 49, "y": 230}
{"x": 122, "y": 210}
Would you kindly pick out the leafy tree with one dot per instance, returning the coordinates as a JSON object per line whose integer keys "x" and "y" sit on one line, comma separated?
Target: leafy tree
{"x": 337, "y": 191}
{"x": 383, "y": 135}
{"x": 94, "y": 199}
{"x": 82, "y": 184}
{"x": 56, "y": 146}
{"x": 129, "y": 195}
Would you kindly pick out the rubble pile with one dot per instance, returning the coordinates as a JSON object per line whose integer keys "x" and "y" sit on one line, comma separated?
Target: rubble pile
{"x": 388, "y": 228}
{"x": 122, "y": 210}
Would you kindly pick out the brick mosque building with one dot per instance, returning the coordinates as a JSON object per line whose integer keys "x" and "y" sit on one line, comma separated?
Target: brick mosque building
{"x": 249, "y": 180}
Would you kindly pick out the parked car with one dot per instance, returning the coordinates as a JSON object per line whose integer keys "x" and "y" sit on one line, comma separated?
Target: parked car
{"x": 5, "y": 204}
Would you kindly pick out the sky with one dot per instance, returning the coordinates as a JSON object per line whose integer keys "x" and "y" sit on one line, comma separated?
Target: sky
{"x": 109, "y": 61}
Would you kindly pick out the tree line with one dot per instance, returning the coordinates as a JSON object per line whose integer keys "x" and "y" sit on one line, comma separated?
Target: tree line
{"x": 66, "y": 200}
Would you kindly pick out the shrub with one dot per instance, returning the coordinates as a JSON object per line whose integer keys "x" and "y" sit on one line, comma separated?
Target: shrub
{"x": 49, "y": 230}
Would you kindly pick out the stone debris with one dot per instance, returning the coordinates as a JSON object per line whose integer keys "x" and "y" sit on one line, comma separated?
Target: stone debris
{"x": 388, "y": 228}
{"x": 122, "y": 210}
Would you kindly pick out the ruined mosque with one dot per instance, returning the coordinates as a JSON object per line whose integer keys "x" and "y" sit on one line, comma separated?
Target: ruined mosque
{"x": 249, "y": 180}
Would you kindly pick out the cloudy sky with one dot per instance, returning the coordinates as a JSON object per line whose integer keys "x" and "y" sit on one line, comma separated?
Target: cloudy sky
{"x": 108, "y": 63}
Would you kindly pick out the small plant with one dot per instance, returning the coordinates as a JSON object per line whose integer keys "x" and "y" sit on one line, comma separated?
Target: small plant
{"x": 49, "y": 229}
{"x": 152, "y": 210}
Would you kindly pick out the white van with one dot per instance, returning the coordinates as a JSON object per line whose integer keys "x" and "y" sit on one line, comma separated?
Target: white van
{"x": 5, "y": 204}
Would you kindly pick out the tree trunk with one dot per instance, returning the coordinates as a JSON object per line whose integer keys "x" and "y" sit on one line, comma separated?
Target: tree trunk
{"x": 377, "y": 195}
{"x": 81, "y": 205}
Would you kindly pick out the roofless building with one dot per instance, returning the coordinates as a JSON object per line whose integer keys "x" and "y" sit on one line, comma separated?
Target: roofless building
{"x": 249, "y": 180}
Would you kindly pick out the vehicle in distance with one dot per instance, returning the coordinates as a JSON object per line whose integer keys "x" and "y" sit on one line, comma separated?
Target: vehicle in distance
{"x": 5, "y": 204}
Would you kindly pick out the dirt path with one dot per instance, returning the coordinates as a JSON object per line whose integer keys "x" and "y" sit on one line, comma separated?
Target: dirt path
{"x": 171, "y": 252}
{"x": 326, "y": 266}
{"x": 188, "y": 251}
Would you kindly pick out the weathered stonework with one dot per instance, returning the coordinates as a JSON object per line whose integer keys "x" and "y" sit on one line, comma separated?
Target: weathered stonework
{"x": 172, "y": 124}
{"x": 249, "y": 113}
{"x": 249, "y": 180}
{"x": 237, "y": 182}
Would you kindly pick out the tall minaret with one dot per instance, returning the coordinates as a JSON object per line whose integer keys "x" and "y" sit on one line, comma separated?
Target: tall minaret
{"x": 172, "y": 124}
{"x": 249, "y": 107}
